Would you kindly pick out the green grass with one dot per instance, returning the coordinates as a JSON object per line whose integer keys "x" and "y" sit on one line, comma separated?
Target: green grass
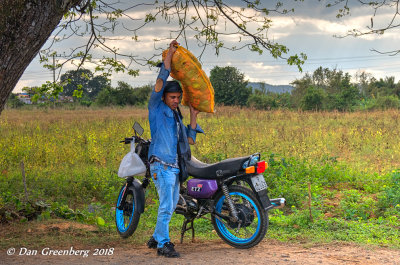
{"x": 71, "y": 159}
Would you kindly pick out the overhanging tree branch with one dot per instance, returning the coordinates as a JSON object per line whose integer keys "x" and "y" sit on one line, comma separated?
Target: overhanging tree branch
{"x": 91, "y": 25}
{"x": 372, "y": 29}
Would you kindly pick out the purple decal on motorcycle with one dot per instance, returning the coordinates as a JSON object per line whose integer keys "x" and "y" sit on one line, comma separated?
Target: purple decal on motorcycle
{"x": 201, "y": 188}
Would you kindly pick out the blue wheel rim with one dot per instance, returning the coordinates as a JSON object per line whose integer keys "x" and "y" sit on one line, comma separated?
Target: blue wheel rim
{"x": 224, "y": 229}
{"x": 119, "y": 215}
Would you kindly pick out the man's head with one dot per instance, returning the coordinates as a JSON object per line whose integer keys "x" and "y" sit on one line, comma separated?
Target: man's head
{"x": 172, "y": 94}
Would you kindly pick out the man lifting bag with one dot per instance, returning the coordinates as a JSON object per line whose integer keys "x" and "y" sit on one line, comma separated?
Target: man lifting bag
{"x": 197, "y": 88}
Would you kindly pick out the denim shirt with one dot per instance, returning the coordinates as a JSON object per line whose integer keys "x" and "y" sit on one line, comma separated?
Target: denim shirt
{"x": 163, "y": 127}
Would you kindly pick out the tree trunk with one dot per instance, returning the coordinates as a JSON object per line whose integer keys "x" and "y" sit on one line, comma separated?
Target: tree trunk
{"x": 25, "y": 25}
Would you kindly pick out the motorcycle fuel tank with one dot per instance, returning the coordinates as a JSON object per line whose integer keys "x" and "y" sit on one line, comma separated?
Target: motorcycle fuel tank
{"x": 202, "y": 188}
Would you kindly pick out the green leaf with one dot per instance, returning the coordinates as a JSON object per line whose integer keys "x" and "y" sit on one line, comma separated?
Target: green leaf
{"x": 100, "y": 221}
{"x": 77, "y": 93}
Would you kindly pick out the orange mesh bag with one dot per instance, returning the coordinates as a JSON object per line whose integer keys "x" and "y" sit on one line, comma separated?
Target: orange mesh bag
{"x": 196, "y": 86}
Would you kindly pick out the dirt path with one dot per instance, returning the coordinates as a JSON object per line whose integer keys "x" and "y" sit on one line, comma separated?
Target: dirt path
{"x": 216, "y": 252}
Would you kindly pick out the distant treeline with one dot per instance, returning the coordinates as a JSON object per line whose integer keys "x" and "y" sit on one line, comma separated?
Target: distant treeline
{"x": 88, "y": 90}
{"x": 324, "y": 89}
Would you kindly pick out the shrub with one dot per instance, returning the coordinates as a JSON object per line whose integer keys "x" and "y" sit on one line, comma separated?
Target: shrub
{"x": 14, "y": 102}
{"x": 269, "y": 101}
{"x": 355, "y": 206}
{"x": 387, "y": 102}
{"x": 313, "y": 99}
{"x": 389, "y": 198}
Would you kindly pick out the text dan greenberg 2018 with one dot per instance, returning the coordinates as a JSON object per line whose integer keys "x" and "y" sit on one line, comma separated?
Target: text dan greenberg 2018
{"x": 60, "y": 252}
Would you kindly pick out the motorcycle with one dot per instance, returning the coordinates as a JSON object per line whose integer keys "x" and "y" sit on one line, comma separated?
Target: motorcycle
{"x": 233, "y": 192}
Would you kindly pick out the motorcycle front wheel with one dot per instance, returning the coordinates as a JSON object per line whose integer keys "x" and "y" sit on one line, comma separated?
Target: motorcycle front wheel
{"x": 253, "y": 219}
{"x": 126, "y": 214}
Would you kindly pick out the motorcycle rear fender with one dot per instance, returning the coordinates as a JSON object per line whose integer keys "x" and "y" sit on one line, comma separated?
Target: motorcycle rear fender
{"x": 138, "y": 193}
{"x": 262, "y": 197}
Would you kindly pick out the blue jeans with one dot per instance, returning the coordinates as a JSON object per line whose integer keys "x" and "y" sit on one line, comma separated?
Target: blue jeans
{"x": 166, "y": 180}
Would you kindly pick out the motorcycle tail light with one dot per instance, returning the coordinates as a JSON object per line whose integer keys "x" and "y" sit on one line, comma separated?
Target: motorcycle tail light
{"x": 250, "y": 170}
{"x": 261, "y": 166}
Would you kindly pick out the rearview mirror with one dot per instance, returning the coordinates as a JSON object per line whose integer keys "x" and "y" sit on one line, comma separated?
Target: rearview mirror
{"x": 138, "y": 129}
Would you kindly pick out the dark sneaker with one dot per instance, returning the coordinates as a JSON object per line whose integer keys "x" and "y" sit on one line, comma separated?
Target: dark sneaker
{"x": 168, "y": 251}
{"x": 152, "y": 243}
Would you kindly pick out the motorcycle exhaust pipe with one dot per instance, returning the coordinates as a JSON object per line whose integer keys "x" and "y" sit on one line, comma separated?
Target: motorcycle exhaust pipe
{"x": 278, "y": 203}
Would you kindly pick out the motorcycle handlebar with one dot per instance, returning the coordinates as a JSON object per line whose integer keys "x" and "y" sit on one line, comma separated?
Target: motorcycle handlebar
{"x": 128, "y": 140}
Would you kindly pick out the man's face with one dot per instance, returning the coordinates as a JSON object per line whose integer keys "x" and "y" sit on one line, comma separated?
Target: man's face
{"x": 172, "y": 99}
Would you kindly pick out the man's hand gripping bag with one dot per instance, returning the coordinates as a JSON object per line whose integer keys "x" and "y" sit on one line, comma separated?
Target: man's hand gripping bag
{"x": 197, "y": 88}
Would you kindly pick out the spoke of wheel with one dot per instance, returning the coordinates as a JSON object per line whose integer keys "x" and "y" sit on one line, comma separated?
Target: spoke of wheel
{"x": 222, "y": 221}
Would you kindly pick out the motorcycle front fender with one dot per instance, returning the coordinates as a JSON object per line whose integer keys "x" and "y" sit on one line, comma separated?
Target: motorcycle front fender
{"x": 138, "y": 193}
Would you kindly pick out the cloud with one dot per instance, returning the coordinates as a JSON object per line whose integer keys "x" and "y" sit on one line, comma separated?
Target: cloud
{"x": 24, "y": 83}
{"x": 284, "y": 26}
{"x": 268, "y": 73}
{"x": 260, "y": 66}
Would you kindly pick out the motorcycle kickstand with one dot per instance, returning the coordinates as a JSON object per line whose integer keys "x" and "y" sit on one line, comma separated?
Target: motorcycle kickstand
{"x": 185, "y": 228}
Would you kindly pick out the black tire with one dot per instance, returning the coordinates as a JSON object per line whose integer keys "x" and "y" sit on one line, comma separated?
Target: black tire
{"x": 126, "y": 219}
{"x": 254, "y": 218}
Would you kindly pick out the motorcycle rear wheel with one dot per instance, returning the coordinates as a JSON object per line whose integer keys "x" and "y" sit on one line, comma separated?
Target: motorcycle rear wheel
{"x": 127, "y": 218}
{"x": 254, "y": 219}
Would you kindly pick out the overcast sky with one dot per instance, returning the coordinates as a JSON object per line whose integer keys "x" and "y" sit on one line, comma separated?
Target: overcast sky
{"x": 310, "y": 29}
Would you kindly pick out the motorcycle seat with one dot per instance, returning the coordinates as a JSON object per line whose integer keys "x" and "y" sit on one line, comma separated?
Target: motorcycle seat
{"x": 225, "y": 168}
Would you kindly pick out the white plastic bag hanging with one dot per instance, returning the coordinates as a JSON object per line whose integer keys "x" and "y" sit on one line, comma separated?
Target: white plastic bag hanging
{"x": 131, "y": 164}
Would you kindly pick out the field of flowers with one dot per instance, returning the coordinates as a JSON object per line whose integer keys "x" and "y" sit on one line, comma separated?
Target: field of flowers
{"x": 350, "y": 161}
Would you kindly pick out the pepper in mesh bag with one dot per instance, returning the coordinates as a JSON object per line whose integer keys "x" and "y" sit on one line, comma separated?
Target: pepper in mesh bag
{"x": 197, "y": 88}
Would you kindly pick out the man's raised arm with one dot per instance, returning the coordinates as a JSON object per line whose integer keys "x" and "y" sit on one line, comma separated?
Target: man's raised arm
{"x": 162, "y": 77}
